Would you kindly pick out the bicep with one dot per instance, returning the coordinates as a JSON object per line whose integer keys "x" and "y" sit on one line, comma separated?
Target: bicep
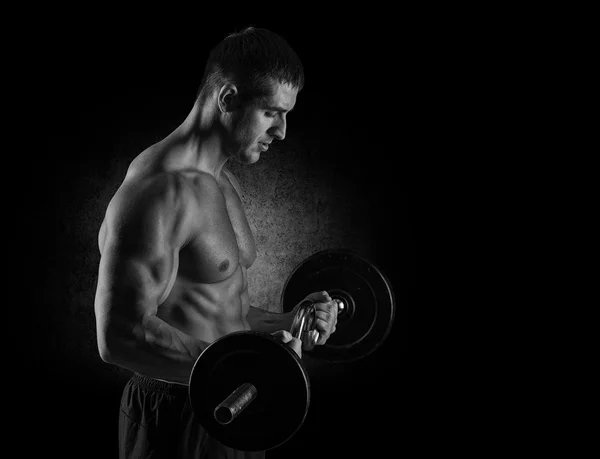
{"x": 139, "y": 256}
{"x": 132, "y": 284}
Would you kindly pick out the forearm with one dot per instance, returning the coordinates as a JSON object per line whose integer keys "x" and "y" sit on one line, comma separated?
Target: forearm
{"x": 268, "y": 322}
{"x": 153, "y": 348}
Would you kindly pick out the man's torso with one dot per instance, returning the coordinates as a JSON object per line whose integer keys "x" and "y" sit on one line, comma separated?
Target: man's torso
{"x": 208, "y": 291}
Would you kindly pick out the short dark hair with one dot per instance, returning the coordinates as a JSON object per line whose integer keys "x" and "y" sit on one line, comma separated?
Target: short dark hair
{"x": 252, "y": 59}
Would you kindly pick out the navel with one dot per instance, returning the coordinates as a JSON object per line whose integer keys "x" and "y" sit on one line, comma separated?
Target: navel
{"x": 223, "y": 266}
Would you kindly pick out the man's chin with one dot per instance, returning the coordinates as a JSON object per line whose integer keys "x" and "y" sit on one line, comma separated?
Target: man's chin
{"x": 250, "y": 158}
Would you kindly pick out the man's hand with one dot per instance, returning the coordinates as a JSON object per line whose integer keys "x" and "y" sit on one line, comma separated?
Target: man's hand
{"x": 326, "y": 311}
{"x": 287, "y": 338}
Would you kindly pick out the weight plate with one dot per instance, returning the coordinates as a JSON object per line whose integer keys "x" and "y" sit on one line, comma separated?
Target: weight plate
{"x": 366, "y": 294}
{"x": 283, "y": 390}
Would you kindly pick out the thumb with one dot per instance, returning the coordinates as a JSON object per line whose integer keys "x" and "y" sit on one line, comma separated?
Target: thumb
{"x": 319, "y": 296}
{"x": 284, "y": 335}
{"x": 296, "y": 346}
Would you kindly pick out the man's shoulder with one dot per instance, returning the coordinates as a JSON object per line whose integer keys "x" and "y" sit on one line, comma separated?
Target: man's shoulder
{"x": 160, "y": 194}
{"x": 159, "y": 186}
{"x": 173, "y": 192}
{"x": 144, "y": 208}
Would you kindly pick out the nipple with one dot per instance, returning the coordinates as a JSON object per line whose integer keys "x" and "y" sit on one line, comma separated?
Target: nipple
{"x": 223, "y": 266}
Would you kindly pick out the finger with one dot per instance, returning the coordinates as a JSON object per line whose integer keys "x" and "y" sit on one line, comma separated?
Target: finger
{"x": 330, "y": 306}
{"x": 284, "y": 335}
{"x": 296, "y": 345}
{"x": 334, "y": 306}
{"x": 323, "y": 326}
{"x": 325, "y": 315}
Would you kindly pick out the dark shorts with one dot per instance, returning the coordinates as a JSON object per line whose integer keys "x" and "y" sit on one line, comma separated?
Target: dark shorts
{"x": 156, "y": 421}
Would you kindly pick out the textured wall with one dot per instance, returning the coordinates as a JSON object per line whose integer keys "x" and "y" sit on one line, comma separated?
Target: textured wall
{"x": 296, "y": 206}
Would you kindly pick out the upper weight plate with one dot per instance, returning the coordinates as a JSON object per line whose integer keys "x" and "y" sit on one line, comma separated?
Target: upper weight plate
{"x": 365, "y": 292}
{"x": 283, "y": 390}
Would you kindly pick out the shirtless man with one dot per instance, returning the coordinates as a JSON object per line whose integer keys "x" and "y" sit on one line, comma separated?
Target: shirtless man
{"x": 176, "y": 247}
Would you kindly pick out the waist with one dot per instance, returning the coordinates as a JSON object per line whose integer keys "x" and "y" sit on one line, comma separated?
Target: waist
{"x": 159, "y": 385}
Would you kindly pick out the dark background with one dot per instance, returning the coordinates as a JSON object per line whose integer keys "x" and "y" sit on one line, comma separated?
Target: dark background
{"x": 340, "y": 179}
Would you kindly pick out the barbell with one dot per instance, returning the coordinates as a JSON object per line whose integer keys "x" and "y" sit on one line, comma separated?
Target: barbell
{"x": 251, "y": 392}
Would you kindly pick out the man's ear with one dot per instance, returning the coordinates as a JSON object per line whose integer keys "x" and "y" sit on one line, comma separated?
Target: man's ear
{"x": 229, "y": 99}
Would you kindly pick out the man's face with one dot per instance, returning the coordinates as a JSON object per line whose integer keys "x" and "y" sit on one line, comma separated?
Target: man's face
{"x": 259, "y": 121}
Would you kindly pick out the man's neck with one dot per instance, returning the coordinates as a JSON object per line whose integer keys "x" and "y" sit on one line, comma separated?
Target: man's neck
{"x": 197, "y": 142}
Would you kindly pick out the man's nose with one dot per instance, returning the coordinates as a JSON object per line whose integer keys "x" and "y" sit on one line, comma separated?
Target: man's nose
{"x": 278, "y": 131}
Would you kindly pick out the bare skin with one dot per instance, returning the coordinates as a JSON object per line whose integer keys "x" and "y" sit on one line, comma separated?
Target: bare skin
{"x": 176, "y": 245}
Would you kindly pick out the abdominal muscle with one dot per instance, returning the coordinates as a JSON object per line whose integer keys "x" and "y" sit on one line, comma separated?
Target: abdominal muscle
{"x": 207, "y": 311}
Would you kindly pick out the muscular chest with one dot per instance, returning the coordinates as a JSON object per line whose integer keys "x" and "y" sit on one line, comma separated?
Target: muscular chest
{"x": 223, "y": 239}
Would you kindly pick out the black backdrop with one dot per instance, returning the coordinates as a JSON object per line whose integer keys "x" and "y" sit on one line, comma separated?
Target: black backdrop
{"x": 99, "y": 86}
